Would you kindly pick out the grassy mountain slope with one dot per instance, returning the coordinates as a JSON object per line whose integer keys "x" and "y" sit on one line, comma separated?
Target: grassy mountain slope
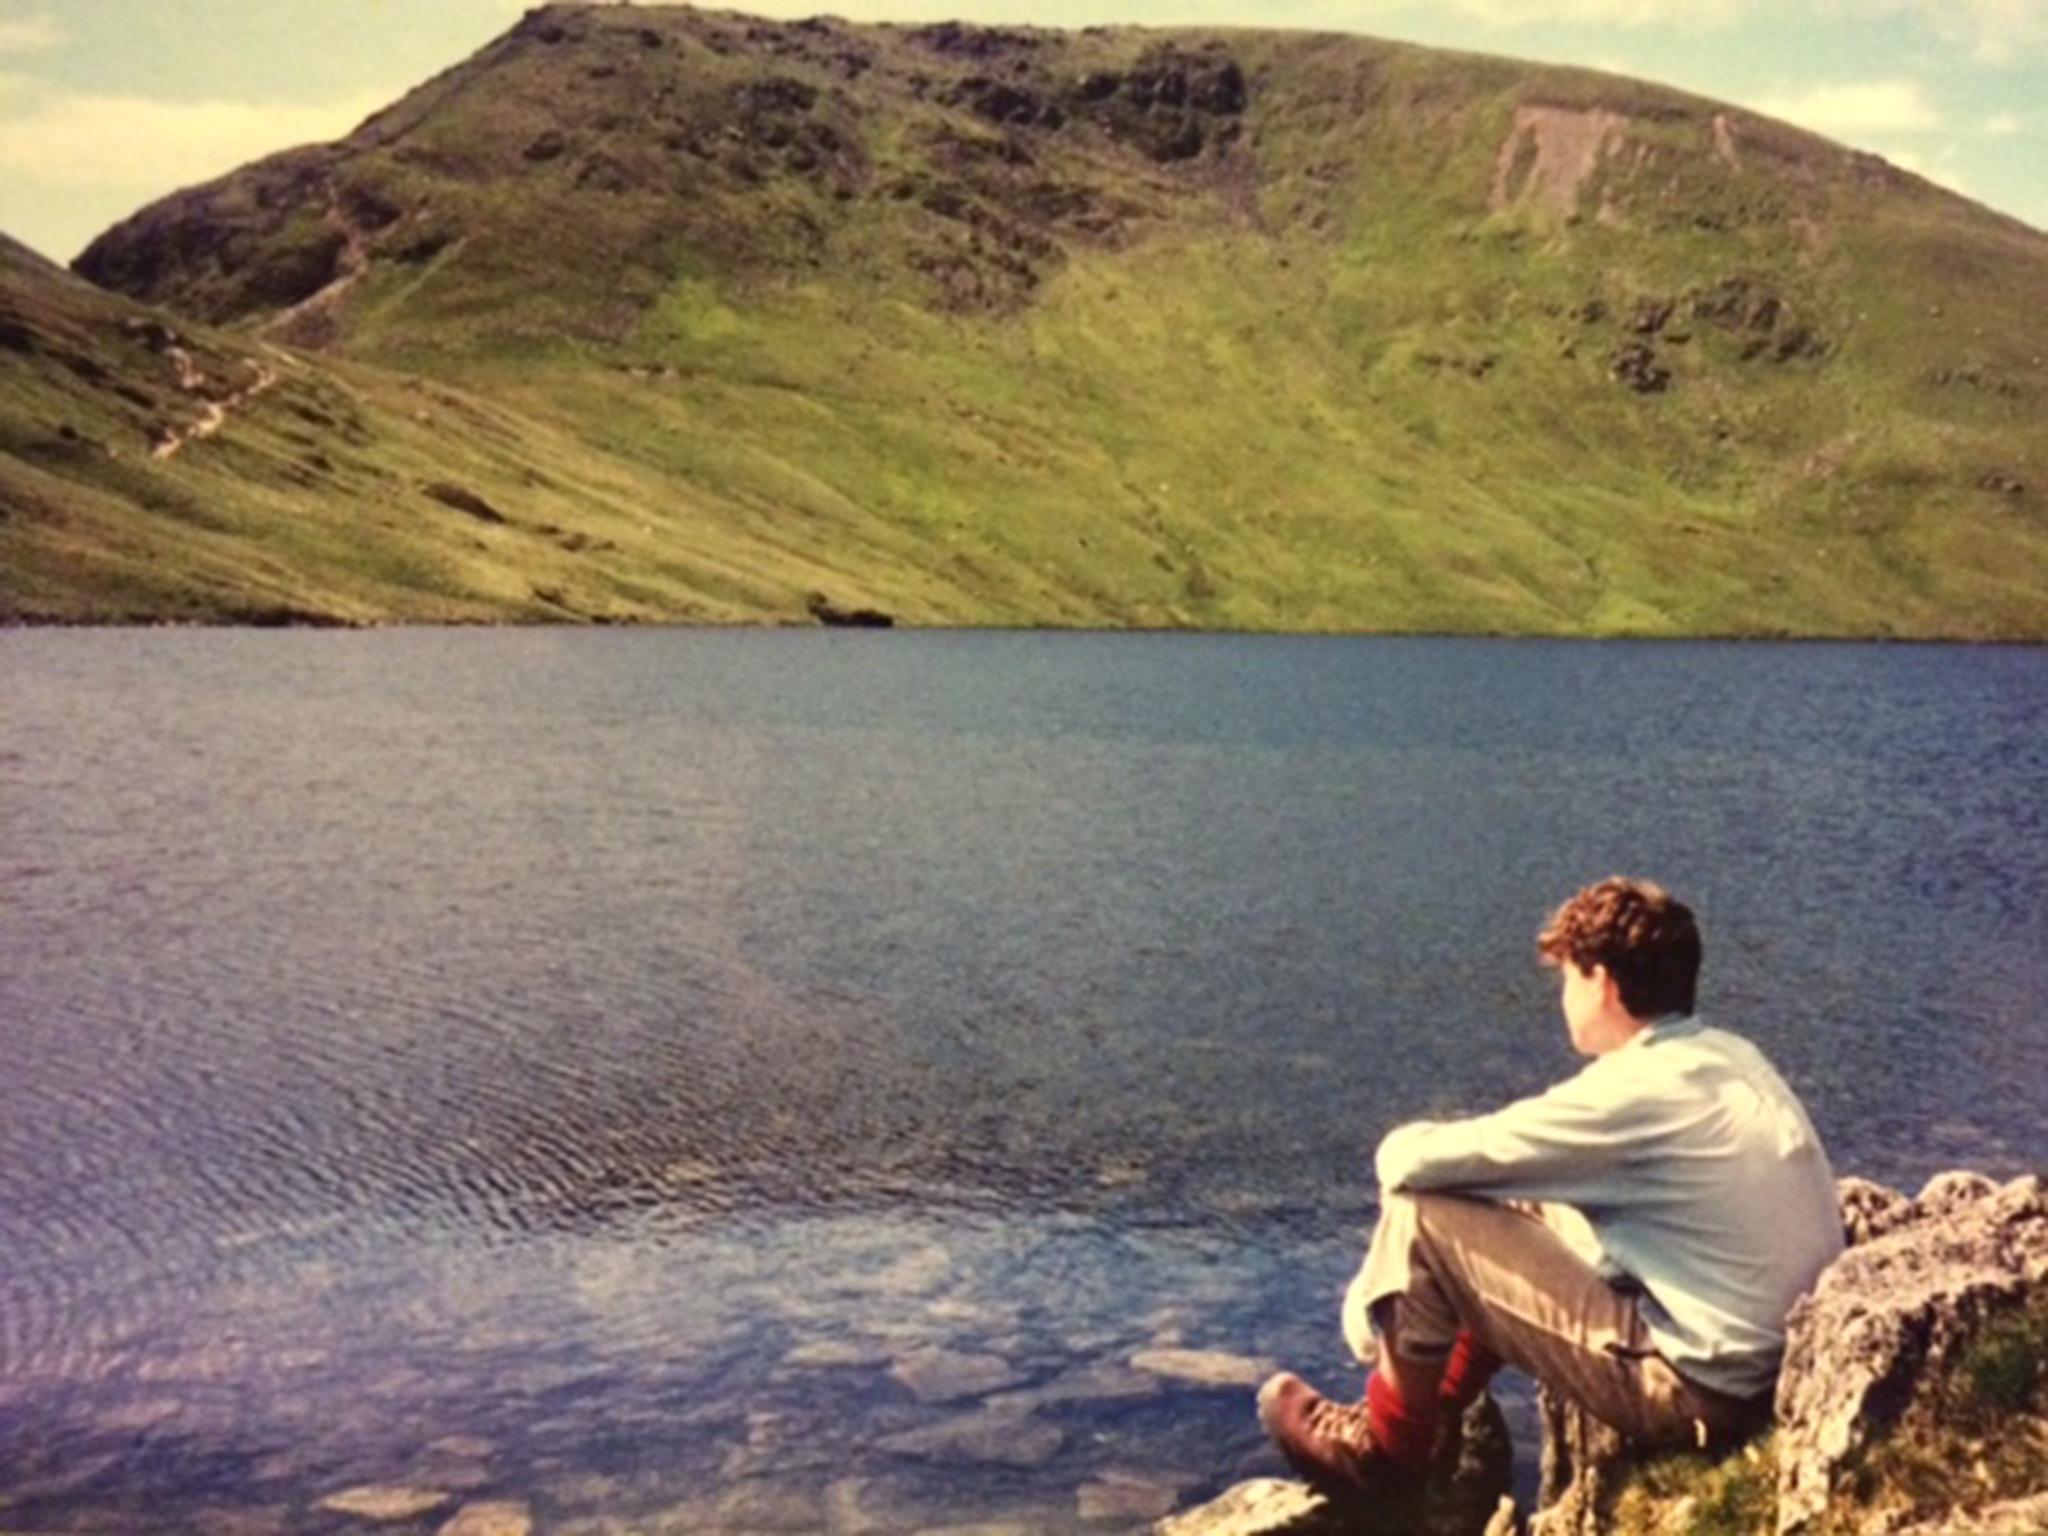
{"x": 154, "y": 470}
{"x": 1226, "y": 328}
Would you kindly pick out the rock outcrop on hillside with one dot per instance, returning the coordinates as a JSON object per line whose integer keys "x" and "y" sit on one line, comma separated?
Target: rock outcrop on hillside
{"x": 1912, "y": 1400}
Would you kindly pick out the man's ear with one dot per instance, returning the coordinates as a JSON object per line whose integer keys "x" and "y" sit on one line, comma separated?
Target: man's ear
{"x": 1610, "y": 989}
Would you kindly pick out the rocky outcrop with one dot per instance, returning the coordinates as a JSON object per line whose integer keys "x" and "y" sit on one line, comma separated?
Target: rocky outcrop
{"x": 1873, "y": 1347}
{"x": 1468, "y": 1495}
{"x": 830, "y": 614}
{"x": 1267, "y": 1506}
{"x": 1583, "y": 1463}
{"x": 1173, "y": 105}
{"x": 2009, "y": 1517}
{"x": 1758, "y": 320}
{"x": 1636, "y": 366}
{"x": 464, "y": 500}
{"x": 1922, "y": 1351}
{"x": 1871, "y": 1343}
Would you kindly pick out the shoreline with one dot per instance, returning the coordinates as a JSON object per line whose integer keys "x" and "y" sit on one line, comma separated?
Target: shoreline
{"x": 297, "y": 621}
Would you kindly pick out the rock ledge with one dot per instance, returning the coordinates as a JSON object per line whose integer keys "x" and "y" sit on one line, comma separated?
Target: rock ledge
{"x": 1916, "y": 1372}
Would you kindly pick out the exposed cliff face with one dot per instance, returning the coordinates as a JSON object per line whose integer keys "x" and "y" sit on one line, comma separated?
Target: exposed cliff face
{"x": 609, "y": 152}
{"x": 614, "y": 152}
{"x": 1914, "y": 1399}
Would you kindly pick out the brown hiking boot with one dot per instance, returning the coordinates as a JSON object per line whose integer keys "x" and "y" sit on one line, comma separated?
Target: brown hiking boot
{"x": 1331, "y": 1446}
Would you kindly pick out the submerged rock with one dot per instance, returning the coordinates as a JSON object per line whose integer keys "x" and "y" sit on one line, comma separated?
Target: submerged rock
{"x": 1098, "y": 1382}
{"x": 496, "y": 1517}
{"x": 765, "y": 1506}
{"x": 987, "y": 1437}
{"x": 945, "y": 1375}
{"x": 1203, "y": 1367}
{"x": 255, "y": 1520}
{"x": 836, "y": 1354}
{"x": 1125, "y": 1496}
{"x": 385, "y": 1501}
{"x": 853, "y": 1507}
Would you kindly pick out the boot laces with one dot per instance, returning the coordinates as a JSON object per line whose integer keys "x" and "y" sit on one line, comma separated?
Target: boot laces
{"x": 1346, "y": 1423}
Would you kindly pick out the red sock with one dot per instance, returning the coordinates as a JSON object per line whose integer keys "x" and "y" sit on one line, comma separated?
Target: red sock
{"x": 1470, "y": 1367}
{"x": 1407, "y": 1434}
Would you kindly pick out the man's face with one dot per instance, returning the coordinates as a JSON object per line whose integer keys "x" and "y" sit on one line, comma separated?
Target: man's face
{"x": 1585, "y": 1001}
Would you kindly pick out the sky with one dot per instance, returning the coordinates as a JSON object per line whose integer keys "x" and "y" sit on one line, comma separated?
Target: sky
{"x": 106, "y": 105}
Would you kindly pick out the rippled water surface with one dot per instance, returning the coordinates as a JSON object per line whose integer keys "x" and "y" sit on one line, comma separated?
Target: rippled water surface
{"x": 813, "y": 1081}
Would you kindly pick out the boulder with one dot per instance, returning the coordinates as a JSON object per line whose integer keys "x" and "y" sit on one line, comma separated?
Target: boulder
{"x": 1583, "y": 1463}
{"x": 1869, "y": 1344}
{"x": 1265, "y": 1506}
{"x": 2009, "y": 1517}
{"x": 1910, "y": 1402}
{"x": 1875, "y": 1345}
{"x": 1636, "y": 365}
{"x": 830, "y": 614}
{"x": 1468, "y": 1494}
{"x": 462, "y": 499}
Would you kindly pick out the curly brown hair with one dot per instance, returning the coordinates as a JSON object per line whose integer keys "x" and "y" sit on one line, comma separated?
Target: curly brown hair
{"x": 1649, "y": 942}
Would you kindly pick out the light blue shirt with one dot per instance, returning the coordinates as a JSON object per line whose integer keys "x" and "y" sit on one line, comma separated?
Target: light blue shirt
{"x": 1697, "y": 1170}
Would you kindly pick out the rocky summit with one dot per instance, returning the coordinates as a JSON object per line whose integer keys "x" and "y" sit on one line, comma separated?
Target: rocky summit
{"x": 723, "y": 319}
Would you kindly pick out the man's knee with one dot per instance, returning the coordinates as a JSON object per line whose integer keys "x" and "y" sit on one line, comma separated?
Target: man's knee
{"x": 1432, "y": 1213}
{"x": 1405, "y": 1298}
{"x": 1397, "y": 1208}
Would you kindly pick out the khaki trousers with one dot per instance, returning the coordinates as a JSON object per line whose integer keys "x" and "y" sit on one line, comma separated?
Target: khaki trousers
{"x": 1521, "y": 1277}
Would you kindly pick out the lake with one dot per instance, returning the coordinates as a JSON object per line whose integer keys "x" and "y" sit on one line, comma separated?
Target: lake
{"x": 841, "y": 1081}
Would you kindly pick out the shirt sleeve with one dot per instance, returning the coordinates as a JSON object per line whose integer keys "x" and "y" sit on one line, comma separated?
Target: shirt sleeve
{"x": 1574, "y": 1143}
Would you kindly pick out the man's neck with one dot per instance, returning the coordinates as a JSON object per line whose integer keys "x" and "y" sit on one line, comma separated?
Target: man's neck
{"x": 1616, "y": 1030}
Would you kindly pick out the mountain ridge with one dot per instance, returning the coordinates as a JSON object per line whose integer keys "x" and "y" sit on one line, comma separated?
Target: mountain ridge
{"x": 1213, "y": 327}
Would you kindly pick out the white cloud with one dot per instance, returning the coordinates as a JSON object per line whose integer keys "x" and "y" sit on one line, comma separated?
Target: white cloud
{"x": 1496, "y": 15}
{"x": 29, "y": 34}
{"x": 1855, "y": 109}
{"x": 2001, "y": 125}
{"x": 1998, "y": 31}
{"x": 1617, "y": 13}
{"x": 74, "y": 139}
{"x": 1507, "y": 16}
{"x": 1995, "y": 31}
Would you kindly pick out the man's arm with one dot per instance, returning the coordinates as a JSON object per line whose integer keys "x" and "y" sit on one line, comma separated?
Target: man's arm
{"x": 1573, "y": 1143}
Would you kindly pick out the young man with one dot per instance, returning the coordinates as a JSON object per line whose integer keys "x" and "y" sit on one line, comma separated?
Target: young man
{"x": 1632, "y": 1238}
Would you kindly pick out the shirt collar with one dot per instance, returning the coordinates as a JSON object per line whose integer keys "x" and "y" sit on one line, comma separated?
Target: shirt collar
{"x": 1665, "y": 1026}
